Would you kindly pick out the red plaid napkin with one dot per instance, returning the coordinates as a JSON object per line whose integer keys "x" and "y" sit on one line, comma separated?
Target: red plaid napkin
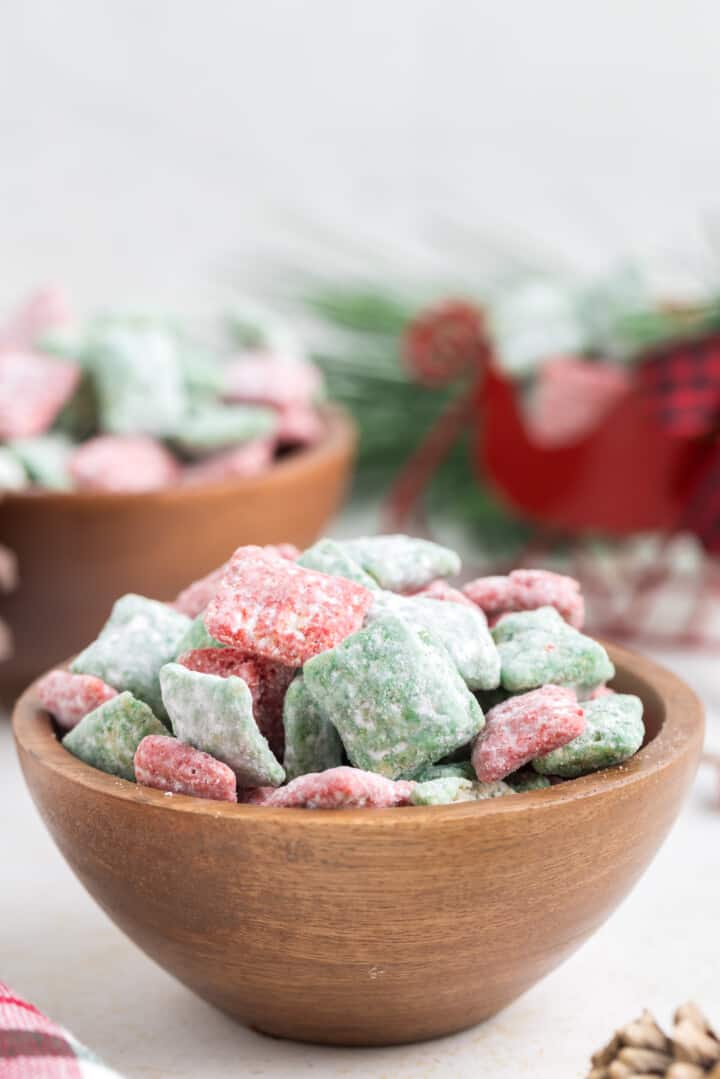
{"x": 33, "y": 1047}
{"x": 683, "y": 387}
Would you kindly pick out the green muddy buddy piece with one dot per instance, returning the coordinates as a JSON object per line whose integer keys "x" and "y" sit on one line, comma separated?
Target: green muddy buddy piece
{"x": 327, "y": 556}
{"x": 216, "y": 715}
{"x": 395, "y": 697}
{"x": 526, "y": 780}
{"x": 437, "y": 792}
{"x": 461, "y": 770}
{"x": 402, "y": 563}
{"x": 461, "y": 629}
{"x": 614, "y": 732}
{"x": 13, "y": 476}
{"x": 139, "y": 637}
{"x": 196, "y": 636}
{"x": 539, "y": 648}
{"x": 138, "y": 379}
{"x": 215, "y": 426}
{"x": 107, "y": 737}
{"x": 45, "y": 458}
{"x": 311, "y": 742}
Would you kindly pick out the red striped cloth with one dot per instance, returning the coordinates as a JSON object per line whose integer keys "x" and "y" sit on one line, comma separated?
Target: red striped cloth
{"x": 33, "y": 1047}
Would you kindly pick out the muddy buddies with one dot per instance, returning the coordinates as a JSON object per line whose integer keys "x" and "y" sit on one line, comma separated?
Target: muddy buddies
{"x": 133, "y": 404}
{"x": 351, "y": 675}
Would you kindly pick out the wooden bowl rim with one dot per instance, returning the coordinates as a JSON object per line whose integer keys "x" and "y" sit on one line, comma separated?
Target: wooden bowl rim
{"x": 679, "y": 736}
{"x": 339, "y": 436}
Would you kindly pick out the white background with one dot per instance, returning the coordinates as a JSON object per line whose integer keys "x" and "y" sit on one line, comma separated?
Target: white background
{"x": 149, "y": 150}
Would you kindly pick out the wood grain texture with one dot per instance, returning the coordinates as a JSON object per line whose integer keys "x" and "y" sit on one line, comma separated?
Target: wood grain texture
{"x": 368, "y": 927}
{"x": 77, "y": 552}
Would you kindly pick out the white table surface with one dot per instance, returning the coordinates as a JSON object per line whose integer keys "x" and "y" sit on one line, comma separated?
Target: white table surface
{"x": 661, "y": 947}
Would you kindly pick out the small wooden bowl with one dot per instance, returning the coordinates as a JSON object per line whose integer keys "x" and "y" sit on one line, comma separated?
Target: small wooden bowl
{"x": 77, "y": 552}
{"x": 368, "y": 927}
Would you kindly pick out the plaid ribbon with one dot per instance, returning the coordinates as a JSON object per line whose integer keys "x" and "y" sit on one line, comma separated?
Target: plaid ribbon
{"x": 682, "y": 384}
{"x": 33, "y": 1047}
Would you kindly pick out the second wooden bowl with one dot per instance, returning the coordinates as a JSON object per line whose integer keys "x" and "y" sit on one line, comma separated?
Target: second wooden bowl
{"x": 368, "y": 927}
{"x": 78, "y": 552}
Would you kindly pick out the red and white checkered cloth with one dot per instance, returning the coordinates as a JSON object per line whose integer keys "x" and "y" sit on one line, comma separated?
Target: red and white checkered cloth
{"x": 33, "y": 1047}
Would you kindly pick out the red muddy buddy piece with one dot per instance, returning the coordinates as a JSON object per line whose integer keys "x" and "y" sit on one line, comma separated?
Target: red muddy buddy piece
{"x": 169, "y": 765}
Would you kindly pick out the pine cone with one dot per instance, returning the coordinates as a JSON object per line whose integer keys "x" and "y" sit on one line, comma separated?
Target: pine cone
{"x": 641, "y": 1048}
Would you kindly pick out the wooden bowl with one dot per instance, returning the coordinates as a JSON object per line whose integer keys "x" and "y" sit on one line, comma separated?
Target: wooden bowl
{"x": 368, "y": 927}
{"x": 77, "y": 552}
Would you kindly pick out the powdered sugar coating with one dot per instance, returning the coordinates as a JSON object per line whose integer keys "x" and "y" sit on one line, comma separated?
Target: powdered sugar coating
{"x": 108, "y": 736}
{"x": 33, "y": 389}
{"x": 216, "y": 715}
{"x": 328, "y": 556}
{"x": 614, "y": 732}
{"x": 274, "y": 608}
{"x": 138, "y": 638}
{"x": 45, "y": 459}
{"x": 169, "y": 765}
{"x": 539, "y": 647}
{"x": 311, "y": 742}
{"x": 337, "y": 788}
{"x": 194, "y": 599}
{"x": 526, "y": 590}
{"x": 402, "y": 563}
{"x": 462, "y": 629}
{"x": 266, "y": 680}
{"x": 525, "y": 727}
{"x": 394, "y": 696}
{"x": 130, "y": 463}
{"x": 68, "y": 697}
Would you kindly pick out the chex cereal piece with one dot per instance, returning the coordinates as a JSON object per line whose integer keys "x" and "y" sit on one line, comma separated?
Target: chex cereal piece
{"x": 394, "y": 696}
{"x": 271, "y": 607}
{"x": 311, "y": 742}
{"x": 441, "y": 590}
{"x": 299, "y": 425}
{"x": 216, "y": 715}
{"x": 194, "y": 599}
{"x": 459, "y": 770}
{"x": 214, "y": 427}
{"x": 267, "y": 682}
{"x": 327, "y": 556}
{"x": 138, "y": 638}
{"x": 402, "y": 563}
{"x": 43, "y": 311}
{"x": 462, "y": 630}
{"x": 196, "y": 637}
{"x": 338, "y": 788}
{"x": 525, "y": 727}
{"x": 526, "y": 590}
{"x": 138, "y": 378}
{"x": 33, "y": 389}
{"x": 271, "y": 379}
{"x": 46, "y": 459}
{"x": 614, "y": 732}
{"x": 444, "y": 791}
{"x": 13, "y": 476}
{"x": 129, "y": 463}
{"x": 527, "y": 780}
{"x": 169, "y": 765}
{"x": 68, "y": 697}
{"x": 108, "y": 736}
{"x": 240, "y": 462}
{"x": 539, "y": 647}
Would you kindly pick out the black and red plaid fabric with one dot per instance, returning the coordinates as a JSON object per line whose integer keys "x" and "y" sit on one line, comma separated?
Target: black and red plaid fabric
{"x": 682, "y": 384}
